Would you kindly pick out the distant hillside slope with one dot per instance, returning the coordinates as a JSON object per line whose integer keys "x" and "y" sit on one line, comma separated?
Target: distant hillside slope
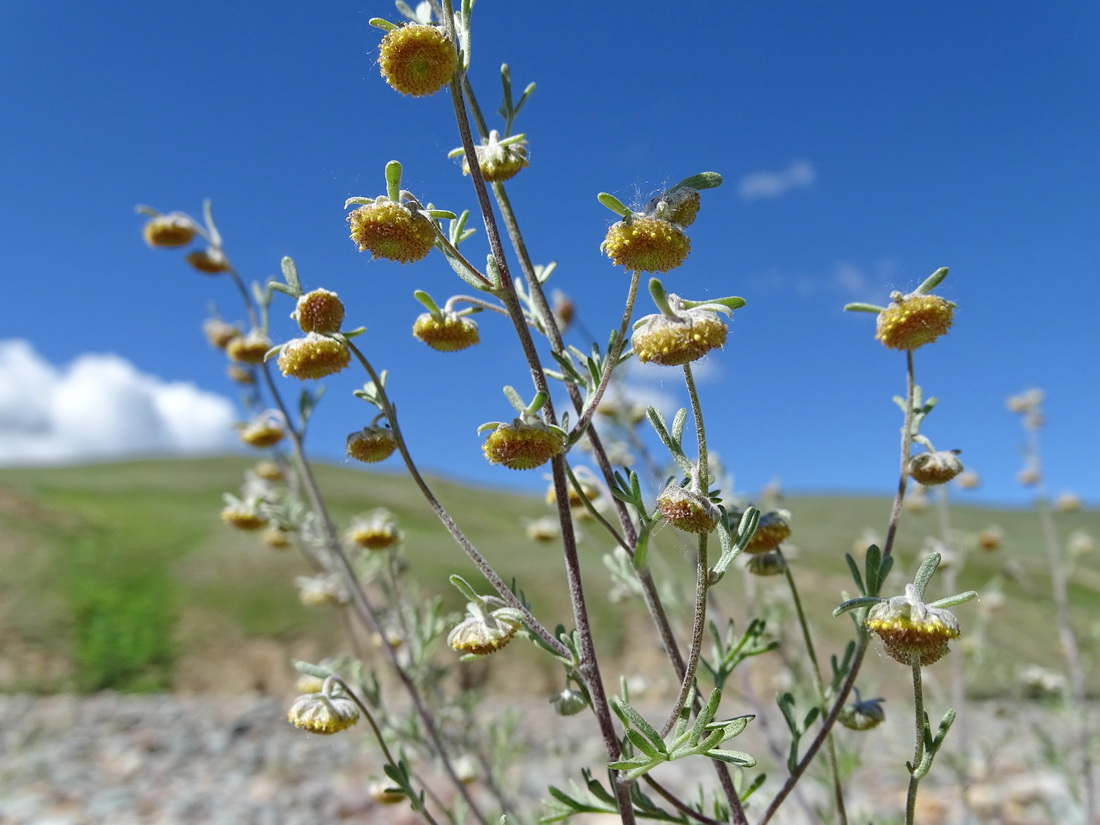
{"x": 123, "y": 576}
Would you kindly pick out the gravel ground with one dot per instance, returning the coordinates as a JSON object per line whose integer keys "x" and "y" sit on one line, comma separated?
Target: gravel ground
{"x": 217, "y": 760}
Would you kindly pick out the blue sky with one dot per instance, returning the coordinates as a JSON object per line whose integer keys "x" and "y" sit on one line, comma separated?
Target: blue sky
{"x": 863, "y": 146}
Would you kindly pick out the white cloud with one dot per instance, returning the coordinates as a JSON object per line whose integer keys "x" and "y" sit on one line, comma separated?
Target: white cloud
{"x": 99, "y": 407}
{"x": 799, "y": 175}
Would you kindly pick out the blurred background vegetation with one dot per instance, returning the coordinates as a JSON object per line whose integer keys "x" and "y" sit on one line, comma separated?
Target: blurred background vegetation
{"x": 122, "y": 576}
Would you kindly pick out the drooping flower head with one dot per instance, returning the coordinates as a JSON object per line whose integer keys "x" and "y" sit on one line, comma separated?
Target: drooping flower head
{"x": 913, "y": 320}
{"x": 687, "y": 510}
{"x": 314, "y": 356}
{"x": 446, "y": 331}
{"x": 680, "y": 336}
{"x": 372, "y": 444}
{"x": 391, "y": 230}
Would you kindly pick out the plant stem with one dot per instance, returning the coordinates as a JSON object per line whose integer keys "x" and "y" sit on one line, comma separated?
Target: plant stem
{"x": 906, "y": 448}
{"x": 449, "y": 523}
{"x": 918, "y": 749}
{"x": 819, "y": 686}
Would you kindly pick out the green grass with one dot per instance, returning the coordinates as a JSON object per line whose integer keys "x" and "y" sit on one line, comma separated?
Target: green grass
{"x": 99, "y": 565}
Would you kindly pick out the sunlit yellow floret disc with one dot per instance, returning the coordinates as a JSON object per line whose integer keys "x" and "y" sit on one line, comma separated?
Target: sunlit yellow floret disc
{"x": 912, "y": 321}
{"x": 646, "y": 245}
{"x": 417, "y": 60}
{"x": 392, "y": 231}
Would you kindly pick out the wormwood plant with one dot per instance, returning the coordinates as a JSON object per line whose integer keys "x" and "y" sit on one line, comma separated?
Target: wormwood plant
{"x": 443, "y": 756}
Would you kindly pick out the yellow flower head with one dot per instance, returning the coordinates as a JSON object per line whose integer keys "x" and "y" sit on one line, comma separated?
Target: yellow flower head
{"x": 645, "y": 244}
{"x": 169, "y": 231}
{"x": 687, "y": 510}
{"x": 372, "y": 444}
{"x": 392, "y": 231}
{"x": 319, "y": 311}
{"x": 520, "y": 446}
{"x": 913, "y": 320}
{"x": 447, "y": 332}
{"x": 314, "y": 356}
{"x": 417, "y": 60}
{"x": 674, "y": 341}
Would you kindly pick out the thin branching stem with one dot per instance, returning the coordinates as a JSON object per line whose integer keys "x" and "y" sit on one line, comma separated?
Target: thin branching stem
{"x": 448, "y": 522}
{"x": 819, "y": 687}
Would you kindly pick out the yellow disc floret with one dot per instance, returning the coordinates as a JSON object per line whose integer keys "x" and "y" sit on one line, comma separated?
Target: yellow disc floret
{"x": 417, "y": 60}
{"x": 392, "y": 231}
{"x": 910, "y": 628}
{"x": 912, "y": 321}
{"x": 645, "y": 244}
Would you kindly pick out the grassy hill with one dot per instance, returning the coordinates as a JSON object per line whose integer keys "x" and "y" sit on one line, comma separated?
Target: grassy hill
{"x": 123, "y": 576}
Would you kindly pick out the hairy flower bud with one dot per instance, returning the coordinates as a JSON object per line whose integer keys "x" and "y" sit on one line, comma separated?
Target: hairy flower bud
{"x": 319, "y": 311}
{"x": 243, "y": 517}
{"x": 687, "y": 510}
{"x": 375, "y": 532}
{"x": 644, "y": 244}
{"x": 497, "y": 162}
{"x": 263, "y": 431}
{"x": 417, "y": 60}
{"x": 482, "y": 633}
{"x": 169, "y": 231}
{"x": 447, "y": 332}
{"x": 219, "y": 333}
{"x": 372, "y": 444}
{"x": 318, "y": 713}
{"x": 766, "y": 564}
{"x": 772, "y": 531}
{"x": 209, "y": 261}
{"x": 939, "y": 467}
{"x": 250, "y": 348}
